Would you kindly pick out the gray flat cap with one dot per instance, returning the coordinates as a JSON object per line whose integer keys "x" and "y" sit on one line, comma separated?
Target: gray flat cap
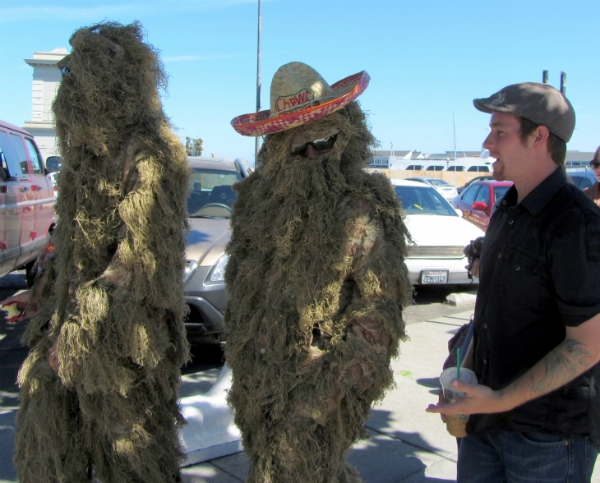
{"x": 540, "y": 103}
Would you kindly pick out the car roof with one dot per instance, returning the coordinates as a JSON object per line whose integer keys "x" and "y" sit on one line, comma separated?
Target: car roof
{"x": 10, "y": 126}
{"x": 209, "y": 162}
{"x": 583, "y": 174}
{"x": 406, "y": 182}
{"x": 493, "y": 182}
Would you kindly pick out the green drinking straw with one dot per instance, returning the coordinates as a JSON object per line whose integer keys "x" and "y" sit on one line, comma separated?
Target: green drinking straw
{"x": 458, "y": 361}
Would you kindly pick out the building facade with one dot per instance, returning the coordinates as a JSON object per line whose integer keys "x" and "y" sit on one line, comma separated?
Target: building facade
{"x": 46, "y": 78}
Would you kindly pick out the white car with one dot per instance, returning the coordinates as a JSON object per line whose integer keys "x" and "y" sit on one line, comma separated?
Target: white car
{"x": 442, "y": 187}
{"x": 439, "y": 235}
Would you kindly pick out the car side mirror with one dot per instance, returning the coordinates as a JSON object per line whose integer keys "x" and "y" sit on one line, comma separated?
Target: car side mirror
{"x": 53, "y": 163}
{"x": 480, "y": 205}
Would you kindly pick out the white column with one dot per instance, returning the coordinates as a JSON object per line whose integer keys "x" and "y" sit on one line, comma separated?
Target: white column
{"x": 46, "y": 79}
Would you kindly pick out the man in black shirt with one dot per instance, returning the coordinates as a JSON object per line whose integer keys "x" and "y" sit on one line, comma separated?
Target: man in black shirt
{"x": 535, "y": 414}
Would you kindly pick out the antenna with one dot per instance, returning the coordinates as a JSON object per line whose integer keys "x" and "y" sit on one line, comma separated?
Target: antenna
{"x": 563, "y": 83}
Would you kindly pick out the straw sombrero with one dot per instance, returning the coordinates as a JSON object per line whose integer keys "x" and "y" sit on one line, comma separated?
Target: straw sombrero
{"x": 299, "y": 95}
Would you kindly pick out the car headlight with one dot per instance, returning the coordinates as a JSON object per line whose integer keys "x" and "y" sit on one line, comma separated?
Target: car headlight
{"x": 217, "y": 273}
{"x": 190, "y": 268}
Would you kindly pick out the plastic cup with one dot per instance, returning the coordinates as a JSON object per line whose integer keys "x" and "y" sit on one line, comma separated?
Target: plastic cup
{"x": 456, "y": 423}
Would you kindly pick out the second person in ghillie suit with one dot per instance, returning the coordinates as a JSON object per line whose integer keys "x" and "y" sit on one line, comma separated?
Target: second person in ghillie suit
{"x": 316, "y": 281}
{"x": 99, "y": 388}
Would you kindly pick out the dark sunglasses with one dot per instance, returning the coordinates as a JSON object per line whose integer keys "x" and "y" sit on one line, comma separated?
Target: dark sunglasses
{"x": 594, "y": 164}
{"x": 317, "y": 144}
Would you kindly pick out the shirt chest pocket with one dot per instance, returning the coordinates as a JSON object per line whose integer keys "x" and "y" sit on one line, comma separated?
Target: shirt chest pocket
{"x": 522, "y": 285}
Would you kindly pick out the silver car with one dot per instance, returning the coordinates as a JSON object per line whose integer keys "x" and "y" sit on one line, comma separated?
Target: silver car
{"x": 209, "y": 209}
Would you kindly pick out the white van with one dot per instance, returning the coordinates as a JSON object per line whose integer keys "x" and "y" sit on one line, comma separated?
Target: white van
{"x": 435, "y": 165}
{"x": 27, "y": 215}
{"x": 415, "y": 164}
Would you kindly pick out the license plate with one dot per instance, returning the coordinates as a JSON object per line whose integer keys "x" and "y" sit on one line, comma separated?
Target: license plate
{"x": 434, "y": 276}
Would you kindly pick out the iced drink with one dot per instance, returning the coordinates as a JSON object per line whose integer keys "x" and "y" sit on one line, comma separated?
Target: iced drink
{"x": 456, "y": 423}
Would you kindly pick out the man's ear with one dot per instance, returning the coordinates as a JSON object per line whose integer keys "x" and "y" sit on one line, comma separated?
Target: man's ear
{"x": 541, "y": 135}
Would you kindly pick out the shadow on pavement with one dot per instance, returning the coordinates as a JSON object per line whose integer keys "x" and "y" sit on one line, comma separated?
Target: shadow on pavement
{"x": 431, "y": 382}
{"x": 381, "y": 423}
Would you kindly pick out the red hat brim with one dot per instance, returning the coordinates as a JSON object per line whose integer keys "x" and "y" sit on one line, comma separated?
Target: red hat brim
{"x": 261, "y": 123}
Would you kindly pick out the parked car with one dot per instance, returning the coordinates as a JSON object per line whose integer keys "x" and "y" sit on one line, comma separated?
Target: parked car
{"x": 582, "y": 177}
{"x": 442, "y": 187}
{"x": 460, "y": 189}
{"x": 53, "y": 163}
{"x": 438, "y": 233}
{"x": 27, "y": 215}
{"x": 477, "y": 203}
{"x": 209, "y": 210}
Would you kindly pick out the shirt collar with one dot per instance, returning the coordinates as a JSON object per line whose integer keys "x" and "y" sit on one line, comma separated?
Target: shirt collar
{"x": 543, "y": 193}
{"x": 535, "y": 201}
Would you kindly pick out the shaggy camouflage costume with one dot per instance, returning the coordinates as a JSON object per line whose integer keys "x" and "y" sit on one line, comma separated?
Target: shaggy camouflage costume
{"x": 114, "y": 306}
{"x": 316, "y": 284}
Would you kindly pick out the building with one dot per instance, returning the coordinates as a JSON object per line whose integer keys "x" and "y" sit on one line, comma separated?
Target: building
{"x": 387, "y": 159}
{"x": 381, "y": 159}
{"x": 46, "y": 78}
{"x": 579, "y": 158}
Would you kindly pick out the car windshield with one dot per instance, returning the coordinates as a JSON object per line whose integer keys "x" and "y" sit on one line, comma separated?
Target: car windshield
{"x": 437, "y": 182}
{"x": 499, "y": 192}
{"x": 423, "y": 201}
{"x": 211, "y": 193}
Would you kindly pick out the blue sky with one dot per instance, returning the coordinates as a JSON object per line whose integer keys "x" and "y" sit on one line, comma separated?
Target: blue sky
{"x": 427, "y": 59}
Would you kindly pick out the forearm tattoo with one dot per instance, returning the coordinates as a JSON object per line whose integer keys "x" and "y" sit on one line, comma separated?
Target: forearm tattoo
{"x": 561, "y": 365}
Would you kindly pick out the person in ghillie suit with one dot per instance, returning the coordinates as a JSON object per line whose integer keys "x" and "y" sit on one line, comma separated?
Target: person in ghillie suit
{"x": 99, "y": 387}
{"x": 316, "y": 282}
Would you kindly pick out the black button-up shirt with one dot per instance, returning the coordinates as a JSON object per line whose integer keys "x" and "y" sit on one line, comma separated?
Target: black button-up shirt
{"x": 540, "y": 272}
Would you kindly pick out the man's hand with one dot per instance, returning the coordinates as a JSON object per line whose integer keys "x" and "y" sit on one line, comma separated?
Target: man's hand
{"x": 440, "y": 402}
{"x": 473, "y": 268}
{"x": 478, "y": 400}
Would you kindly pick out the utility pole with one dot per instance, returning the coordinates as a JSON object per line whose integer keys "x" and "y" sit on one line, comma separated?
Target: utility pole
{"x": 454, "y": 126}
{"x": 257, "y": 140}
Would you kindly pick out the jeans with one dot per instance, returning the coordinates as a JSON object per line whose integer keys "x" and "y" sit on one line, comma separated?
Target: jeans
{"x": 496, "y": 456}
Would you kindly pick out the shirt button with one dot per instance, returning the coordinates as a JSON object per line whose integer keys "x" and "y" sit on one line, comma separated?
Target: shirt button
{"x": 511, "y": 221}
{"x": 499, "y": 255}
{"x": 484, "y": 326}
{"x": 517, "y": 267}
{"x": 503, "y": 202}
{"x": 485, "y": 361}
